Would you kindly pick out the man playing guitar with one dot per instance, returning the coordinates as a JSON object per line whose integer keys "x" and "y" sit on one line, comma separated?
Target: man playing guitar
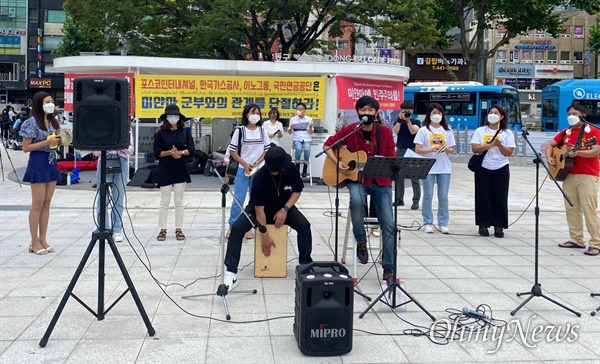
{"x": 374, "y": 139}
{"x": 581, "y": 183}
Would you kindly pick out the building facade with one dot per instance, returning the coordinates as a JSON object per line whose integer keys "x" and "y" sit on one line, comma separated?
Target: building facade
{"x": 29, "y": 32}
{"x": 535, "y": 60}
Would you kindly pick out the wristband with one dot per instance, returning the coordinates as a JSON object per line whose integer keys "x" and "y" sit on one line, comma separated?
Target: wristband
{"x": 286, "y": 209}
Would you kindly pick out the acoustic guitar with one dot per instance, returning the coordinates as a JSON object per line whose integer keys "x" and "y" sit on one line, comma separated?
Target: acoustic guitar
{"x": 355, "y": 160}
{"x": 564, "y": 163}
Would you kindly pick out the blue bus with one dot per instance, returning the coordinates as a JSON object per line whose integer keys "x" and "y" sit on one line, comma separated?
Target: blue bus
{"x": 466, "y": 104}
{"x": 557, "y": 97}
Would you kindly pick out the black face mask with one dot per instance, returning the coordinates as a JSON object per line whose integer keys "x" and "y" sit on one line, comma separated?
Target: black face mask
{"x": 369, "y": 121}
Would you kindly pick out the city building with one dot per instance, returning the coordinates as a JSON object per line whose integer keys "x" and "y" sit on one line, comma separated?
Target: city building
{"x": 29, "y": 32}
{"x": 535, "y": 60}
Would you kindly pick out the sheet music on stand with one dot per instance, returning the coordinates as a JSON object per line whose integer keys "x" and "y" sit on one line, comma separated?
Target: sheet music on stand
{"x": 408, "y": 168}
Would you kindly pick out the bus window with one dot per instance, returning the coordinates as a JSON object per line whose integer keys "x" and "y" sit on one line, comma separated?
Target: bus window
{"x": 550, "y": 108}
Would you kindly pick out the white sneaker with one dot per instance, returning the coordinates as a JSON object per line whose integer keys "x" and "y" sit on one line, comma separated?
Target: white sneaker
{"x": 429, "y": 228}
{"x": 444, "y": 230}
{"x": 117, "y": 238}
{"x": 230, "y": 280}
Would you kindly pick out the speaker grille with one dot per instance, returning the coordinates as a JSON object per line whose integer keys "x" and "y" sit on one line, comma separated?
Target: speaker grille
{"x": 101, "y": 113}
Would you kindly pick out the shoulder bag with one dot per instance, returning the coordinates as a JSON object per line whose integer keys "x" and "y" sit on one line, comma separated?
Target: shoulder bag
{"x": 233, "y": 165}
{"x": 476, "y": 160}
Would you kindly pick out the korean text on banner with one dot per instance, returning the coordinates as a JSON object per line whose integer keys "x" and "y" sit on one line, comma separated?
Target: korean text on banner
{"x": 226, "y": 96}
{"x": 390, "y": 94}
{"x": 70, "y": 77}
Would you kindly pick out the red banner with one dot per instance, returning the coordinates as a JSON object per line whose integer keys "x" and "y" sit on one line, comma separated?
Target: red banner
{"x": 69, "y": 77}
{"x": 390, "y": 94}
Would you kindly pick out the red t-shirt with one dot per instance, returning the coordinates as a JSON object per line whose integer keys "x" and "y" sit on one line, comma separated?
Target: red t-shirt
{"x": 358, "y": 142}
{"x": 581, "y": 165}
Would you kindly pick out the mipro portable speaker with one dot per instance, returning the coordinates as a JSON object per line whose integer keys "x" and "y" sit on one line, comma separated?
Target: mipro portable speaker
{"x": 323, "y": 309}
{"x": 100, "y": 118}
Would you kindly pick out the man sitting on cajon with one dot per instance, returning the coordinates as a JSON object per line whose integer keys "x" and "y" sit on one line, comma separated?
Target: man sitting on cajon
{"x": 275, "y": 190}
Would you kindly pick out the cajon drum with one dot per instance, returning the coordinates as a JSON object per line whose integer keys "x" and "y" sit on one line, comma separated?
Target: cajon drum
{"x": 275, "y": 265}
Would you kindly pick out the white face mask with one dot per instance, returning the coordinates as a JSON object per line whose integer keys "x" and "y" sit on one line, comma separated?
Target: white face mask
{"x": 172, "y": 119}
{"x": 436, "y": 118}
{"x": 573, "y": 120}
{"x": 254, "y": 118}
{"x": 493, "y": 118}
{"x": 298, "y": 112}
{"x": 48, "y": 108}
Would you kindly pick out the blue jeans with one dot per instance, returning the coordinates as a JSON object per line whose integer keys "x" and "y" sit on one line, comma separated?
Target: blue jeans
{"x": 299, "y": 146}
{"x": 117, "y": 180}
{"x": 382, "y": 196}
{"x": 243, "y": 184}
{"x": 443, "y": 184}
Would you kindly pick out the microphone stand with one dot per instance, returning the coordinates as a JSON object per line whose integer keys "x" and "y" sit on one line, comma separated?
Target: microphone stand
{"x": 222, "y": 290}
{"x": 536, "y": 290}
{"x": 337, "y": 146}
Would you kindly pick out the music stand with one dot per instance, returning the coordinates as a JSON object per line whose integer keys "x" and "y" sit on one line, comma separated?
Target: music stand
{"x": 395, "y": 168}
{"x": 102, "y": 236}
{"x": 593, "y": 313}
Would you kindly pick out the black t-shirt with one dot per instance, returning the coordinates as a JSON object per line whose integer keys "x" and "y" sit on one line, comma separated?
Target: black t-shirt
{"x": 405, "y": 138}
{"x": 266, "y": 186}
{"x": 171, "y": 170}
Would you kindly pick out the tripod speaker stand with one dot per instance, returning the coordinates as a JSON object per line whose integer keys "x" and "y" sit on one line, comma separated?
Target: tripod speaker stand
{"x": 593, "y": 313}
{"x": 536, "y": 290}
{"x": 395, "y": 168}
{"x": 103, "y": 236}
{"x": 222, "y": 290}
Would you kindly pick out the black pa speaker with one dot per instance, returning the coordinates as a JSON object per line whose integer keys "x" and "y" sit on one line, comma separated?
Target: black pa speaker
{"x": 101, "y": 113}
{"x": 323, "y": 310}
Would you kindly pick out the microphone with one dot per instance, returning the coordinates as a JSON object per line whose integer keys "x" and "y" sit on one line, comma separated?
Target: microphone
{"x": 474, "y": 314}
{"x": 363, "y": 121}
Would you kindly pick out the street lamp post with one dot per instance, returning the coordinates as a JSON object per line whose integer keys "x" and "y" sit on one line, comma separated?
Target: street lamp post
{"x": 588, "y": 58}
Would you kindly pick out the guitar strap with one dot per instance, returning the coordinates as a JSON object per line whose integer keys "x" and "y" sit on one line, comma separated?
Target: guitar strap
{"x": 579, "y": 138}
{"x": 378, "y": 137}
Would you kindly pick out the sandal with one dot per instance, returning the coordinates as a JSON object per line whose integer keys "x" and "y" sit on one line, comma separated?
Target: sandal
{"x": 592, "y": 251}
{"x": 162, "y": 235}
{"x": 570, "y": 244}
{"x": 48, "y": 248}
{"x": 179, "y": 235}
{"x": 38, "y": 252}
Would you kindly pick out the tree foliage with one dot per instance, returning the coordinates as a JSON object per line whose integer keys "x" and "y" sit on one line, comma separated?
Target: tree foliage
{"x": 75, "y": 41}
{"x": 431, "y": 27}
{"x": 223, "y": 29}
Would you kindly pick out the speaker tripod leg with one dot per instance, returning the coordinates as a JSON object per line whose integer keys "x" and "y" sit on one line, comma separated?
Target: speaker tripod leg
{"x": 376, "y": 300}
{"x": 134, "y": 294}
{"x": 411, "y": 299}
{"x": 68, "y": 292}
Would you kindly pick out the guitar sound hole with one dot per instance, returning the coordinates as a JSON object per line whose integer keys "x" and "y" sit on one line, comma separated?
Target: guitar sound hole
{"x": 352, "y": 165}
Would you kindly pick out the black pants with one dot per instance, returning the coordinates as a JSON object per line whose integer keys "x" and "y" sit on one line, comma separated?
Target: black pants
{"x": 416, "y": 187}
{"x": 294, "y": 219}
{"x": 491, "y": 197}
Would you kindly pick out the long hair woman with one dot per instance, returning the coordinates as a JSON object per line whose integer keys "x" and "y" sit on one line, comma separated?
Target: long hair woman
{"x": 436, "y": 140}
{"x": 248, "y": 146}
{"x": 40, "y": 141}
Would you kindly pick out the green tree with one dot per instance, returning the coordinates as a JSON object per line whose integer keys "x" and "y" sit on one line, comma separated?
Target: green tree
{"x": 75, "y": 41}
{"x": 225, "y": 29}
{"x": 471, "y": 19}
{"x": 594, "y": 41}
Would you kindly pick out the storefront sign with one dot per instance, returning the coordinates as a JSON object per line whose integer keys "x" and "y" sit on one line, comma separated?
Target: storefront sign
{"x": 560, "y": 72}
{"x": 69, "y": 78}
{"x": 11, "y": 31}
{"x": 388, "y": 93}
{"x": 534, "y": 46}
{"x": 502, "y": 71}
{"x": 40, "y": 83}
{"x": 226, "y": 96}
{"x": 430, "y": 66}
{"x": 10, "y": 40}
